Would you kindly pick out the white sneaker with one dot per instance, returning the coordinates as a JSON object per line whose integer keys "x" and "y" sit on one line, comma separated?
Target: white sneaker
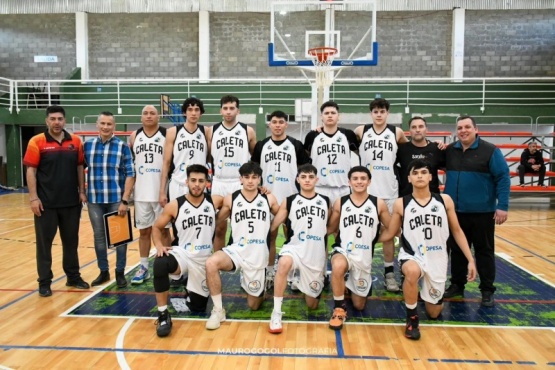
{"x": 293, "y": 284}
{"x": 216, "y": 317}
{"x": 275, "y": 322}
{"x": 390, "y": 283}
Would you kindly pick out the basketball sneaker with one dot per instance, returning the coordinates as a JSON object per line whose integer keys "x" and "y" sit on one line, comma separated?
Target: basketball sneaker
{"x": 78, "y": 283}
{"x": 454, "y": 291}
{"x": 45, "y": 291}
{"x": 411, "y": 330}
{"x": 163, "y": 324}
{"x": 293, "y": 285}
{"x": 178, "y": 283}
{"x": 390, "y": 283}
{"x": 140, "y": 276}
{"x": 338, "y": 318}
{"x": 487, "y": 299}
{"x": 216, "y": 317}
{"x": 275, "y": 323}
{"x": 270, "y": 276}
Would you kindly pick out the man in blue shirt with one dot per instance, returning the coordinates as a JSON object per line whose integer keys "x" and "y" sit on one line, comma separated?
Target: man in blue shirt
{"x": 478, "y": 181}
{"x": 110, "y": 180}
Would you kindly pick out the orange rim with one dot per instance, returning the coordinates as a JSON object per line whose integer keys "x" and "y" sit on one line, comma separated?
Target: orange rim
{"x": 322, "y": 53}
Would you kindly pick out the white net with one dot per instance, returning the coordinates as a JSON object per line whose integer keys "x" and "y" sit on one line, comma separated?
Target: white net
{"x": 322, "y": 58}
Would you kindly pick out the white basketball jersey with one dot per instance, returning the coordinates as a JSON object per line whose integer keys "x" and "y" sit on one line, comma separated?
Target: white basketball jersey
{"x": 230, "y": 150}
{"x": 149, "y": 159}
{"x": 359, "y": 228}
{"x": 279, "y": 168}
{"x": 307, "y": 227}
{"x": 378, "y": 153}
{"x": 189, "y": 148}
{"x": 250, "y": 228}
{"x": 425, "y": 233}
{"x": 194, "y": 228}
{"x": 332, "y": 157}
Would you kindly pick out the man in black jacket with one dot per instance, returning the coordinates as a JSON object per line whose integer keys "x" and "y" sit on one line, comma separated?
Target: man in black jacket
{"x": 531, "y": 160}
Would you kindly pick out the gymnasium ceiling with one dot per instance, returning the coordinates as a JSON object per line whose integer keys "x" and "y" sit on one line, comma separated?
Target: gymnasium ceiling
{"x": 183, "y": 6}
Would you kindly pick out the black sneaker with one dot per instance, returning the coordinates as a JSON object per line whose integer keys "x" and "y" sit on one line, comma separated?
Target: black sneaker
{"x": 487, "y": 299}
{"x": 176, "y": 283}
{"x": 454, "y": 291}
{"x": 163, "y": 324}
{"x": 45, "y": 291}
{"x": 78, "y": 283}
{"x": 411, "y": 330}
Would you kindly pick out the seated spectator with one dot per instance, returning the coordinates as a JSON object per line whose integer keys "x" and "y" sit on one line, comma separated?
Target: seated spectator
{"x": 531, "y": 160}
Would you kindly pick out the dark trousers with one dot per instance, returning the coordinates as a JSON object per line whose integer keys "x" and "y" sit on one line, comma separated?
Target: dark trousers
{"x": 479, "y": 229}
{"x": 522, "y": 169}
{"x": 67, "y": 220}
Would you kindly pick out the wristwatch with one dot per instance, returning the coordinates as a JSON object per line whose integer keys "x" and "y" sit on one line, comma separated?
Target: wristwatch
{"x": 124, "y": 202}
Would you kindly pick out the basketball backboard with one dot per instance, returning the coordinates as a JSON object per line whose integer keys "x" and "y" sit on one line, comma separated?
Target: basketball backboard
{"x": 347, "y": 25}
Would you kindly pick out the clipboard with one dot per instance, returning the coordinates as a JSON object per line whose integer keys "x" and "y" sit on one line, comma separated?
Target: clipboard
{"x": 118, "y": 229}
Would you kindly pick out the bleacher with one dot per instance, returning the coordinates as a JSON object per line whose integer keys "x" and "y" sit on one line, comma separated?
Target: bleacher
{"x": 512, "y": 156}
{"x": 512, "y": 153}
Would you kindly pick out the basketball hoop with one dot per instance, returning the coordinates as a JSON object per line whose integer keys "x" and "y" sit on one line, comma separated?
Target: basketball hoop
{"x": 322, "y": 57}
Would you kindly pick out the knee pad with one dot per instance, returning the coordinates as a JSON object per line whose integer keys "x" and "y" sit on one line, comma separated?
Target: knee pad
{"x": 163, "y": 266}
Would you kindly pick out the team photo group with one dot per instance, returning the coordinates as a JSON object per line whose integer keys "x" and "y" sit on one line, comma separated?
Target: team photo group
{"x": 334, "y": 196}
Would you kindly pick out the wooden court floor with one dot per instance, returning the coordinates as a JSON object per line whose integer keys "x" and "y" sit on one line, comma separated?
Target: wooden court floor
{"x": 34, "y": 335}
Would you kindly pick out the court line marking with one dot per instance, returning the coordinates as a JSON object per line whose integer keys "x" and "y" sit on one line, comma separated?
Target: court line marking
{"x": 98, "y": 291}
{"x": 17, "y": 219}
{"x": 485, "y": 326}
{"x": 524, "y": 249}
{"x": 241, "y": 353}
{"x": 120, "y": 355}
{"x": 2, "y": 367}
{"x": 53, "y": 282}
{"x": 339, "y": 344}
{"x": 510, "y": 260}
{"x": 19, "y": 228}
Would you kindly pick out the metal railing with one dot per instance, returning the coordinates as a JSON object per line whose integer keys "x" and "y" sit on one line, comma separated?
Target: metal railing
{"x": 16, "y": 95}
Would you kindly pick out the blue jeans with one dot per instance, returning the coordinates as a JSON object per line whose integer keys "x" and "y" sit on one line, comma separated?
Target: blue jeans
{"x": 96, "y": 215}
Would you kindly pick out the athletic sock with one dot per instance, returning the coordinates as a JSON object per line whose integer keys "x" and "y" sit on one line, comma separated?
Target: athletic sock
{"x": 411, "y": 310}
{"x": 217, "y": 300}
{"x": 388, "y": 267}
{"x": 144, "y": 262}
{"x": 339, "y": 302}
{"x": 162, "y": 308}
{"x": 277, "y": 303}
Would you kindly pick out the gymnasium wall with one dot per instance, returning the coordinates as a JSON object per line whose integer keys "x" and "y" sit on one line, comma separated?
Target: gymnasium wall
{"x": 498, "y": 43}
{"x": 143, "y": 45}
{"x": 23, "y": 36}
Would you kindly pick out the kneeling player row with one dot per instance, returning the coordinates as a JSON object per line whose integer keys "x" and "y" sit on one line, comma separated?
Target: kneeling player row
{"x": 356, "y": 218}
